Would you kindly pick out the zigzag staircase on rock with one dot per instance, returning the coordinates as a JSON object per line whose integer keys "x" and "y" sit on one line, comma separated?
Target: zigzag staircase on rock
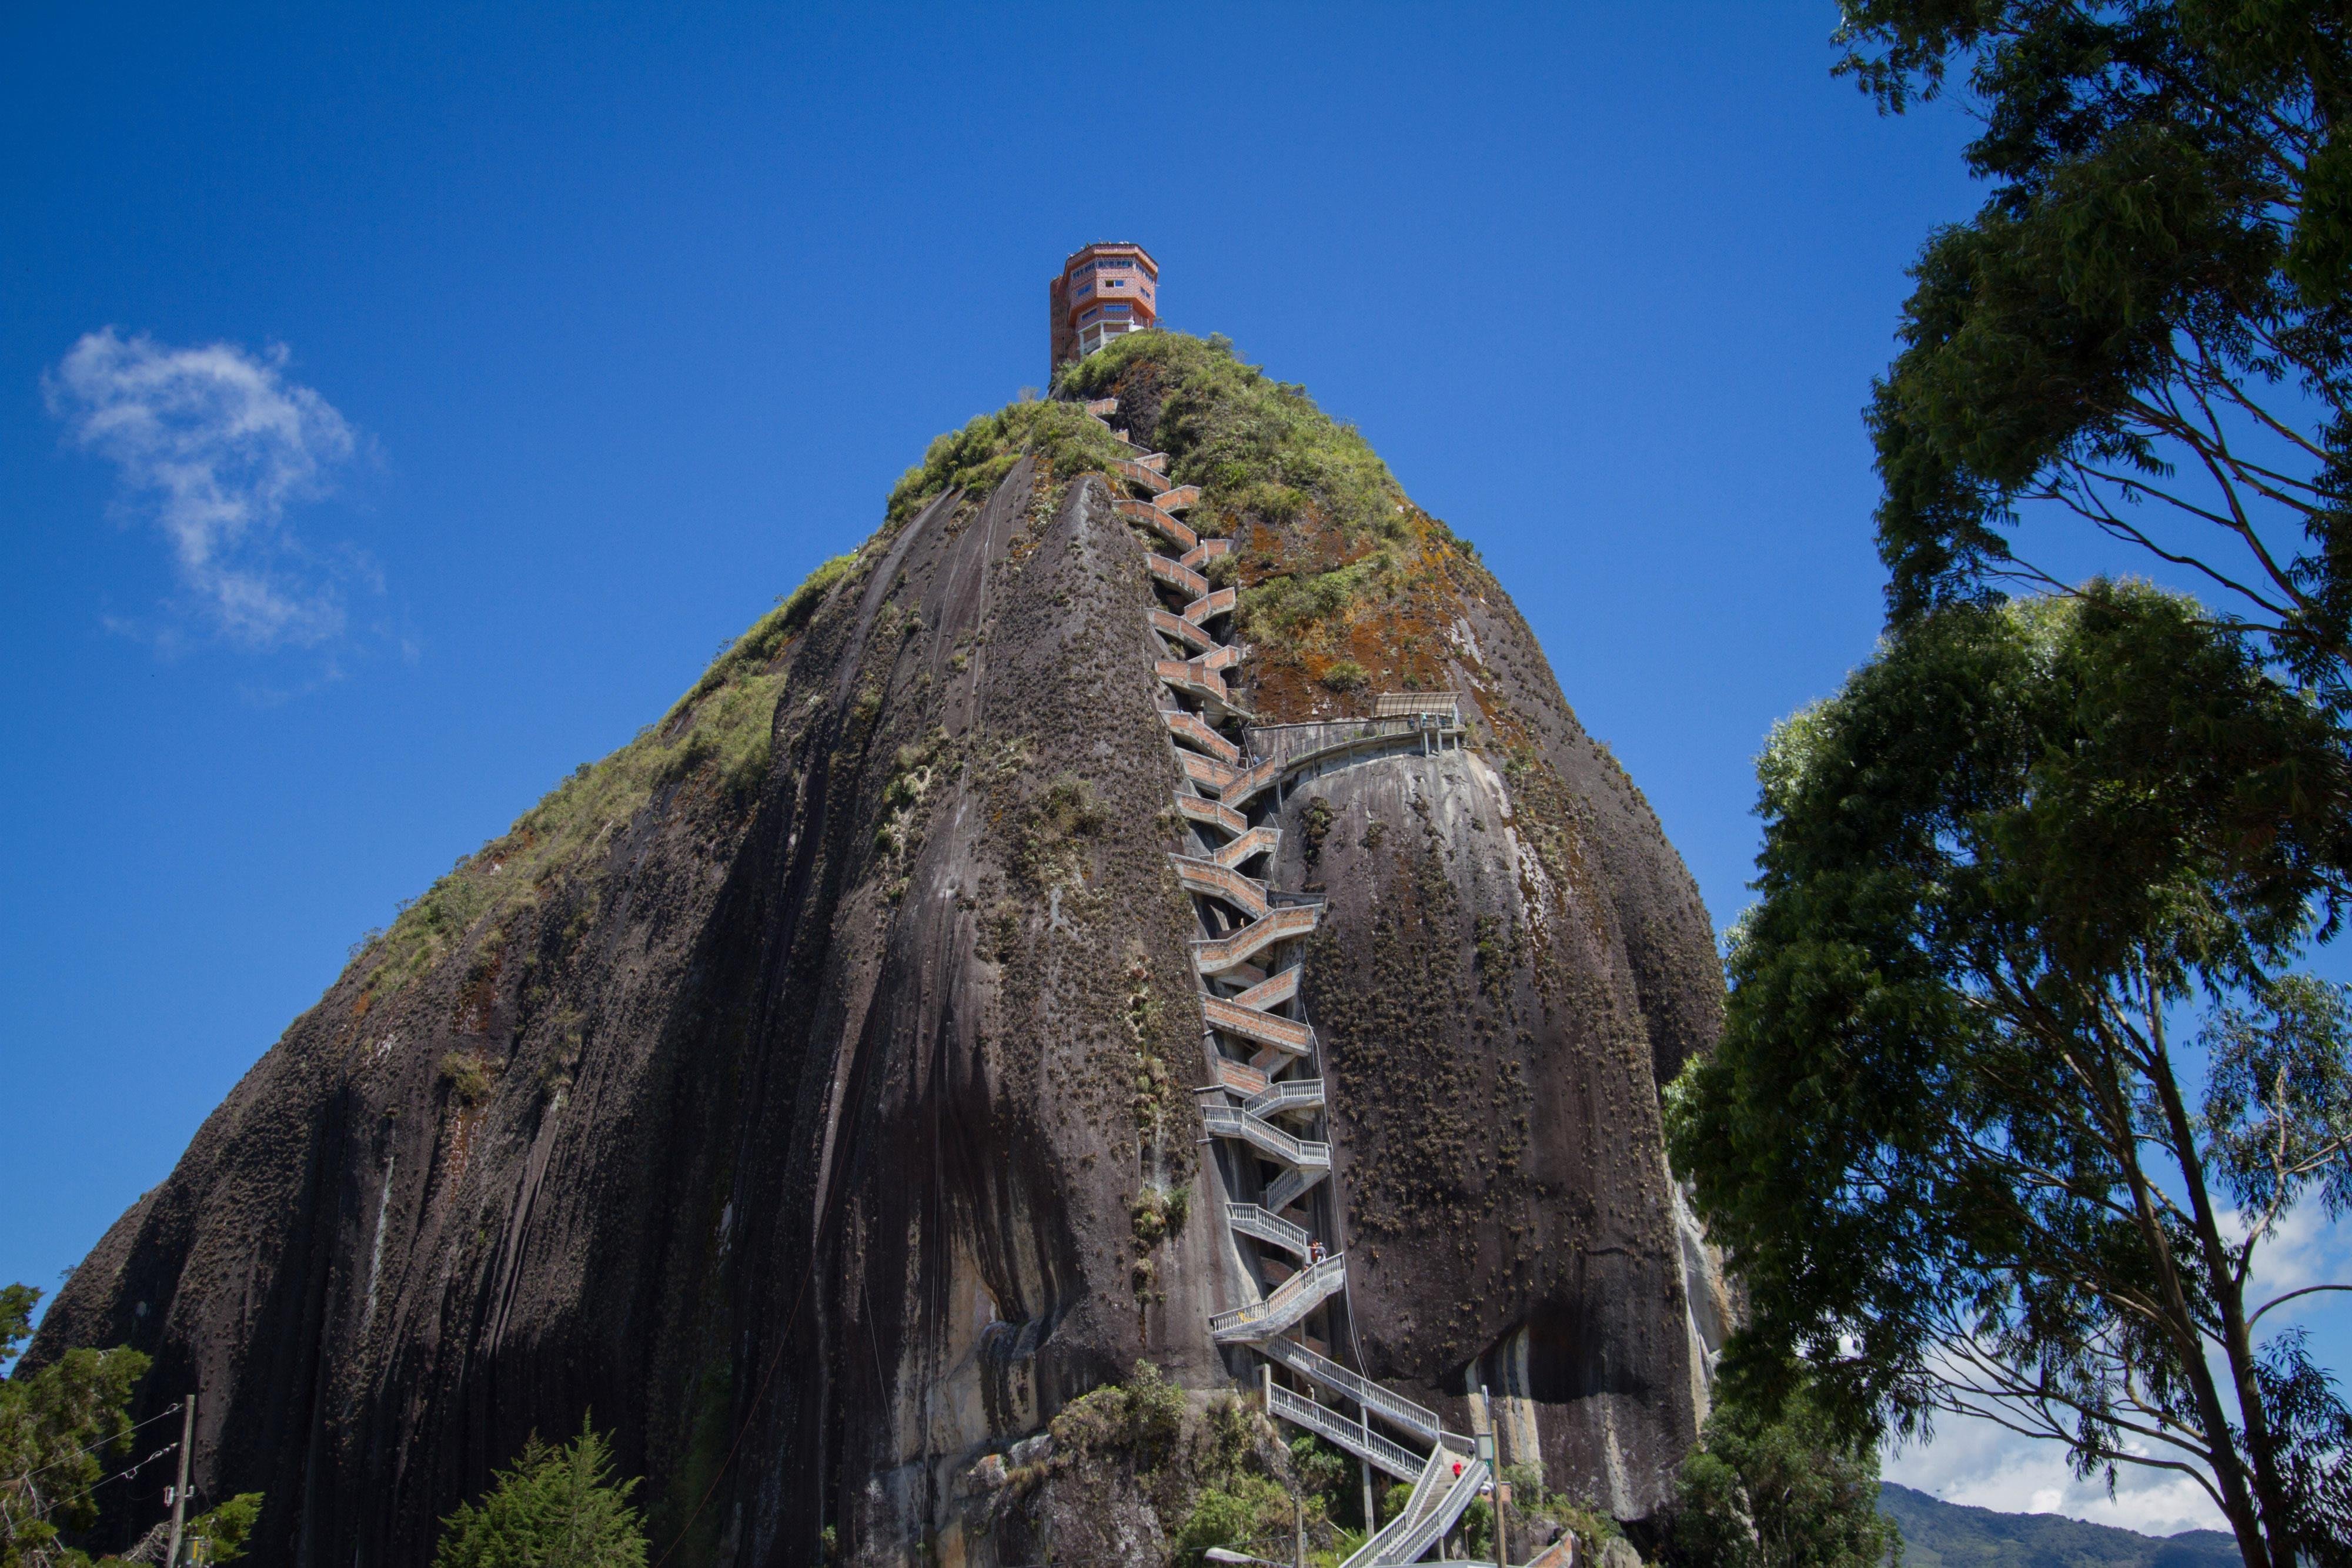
{"x": 1264, "y": 1103}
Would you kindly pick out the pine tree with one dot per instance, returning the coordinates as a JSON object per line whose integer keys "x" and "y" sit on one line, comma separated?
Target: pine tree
{"x": 557, "y": 1508}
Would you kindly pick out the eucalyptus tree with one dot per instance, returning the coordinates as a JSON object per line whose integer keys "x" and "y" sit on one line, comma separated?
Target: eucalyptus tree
{"x": 2146, "y": 328}
{"x": 1952, "y": 1140}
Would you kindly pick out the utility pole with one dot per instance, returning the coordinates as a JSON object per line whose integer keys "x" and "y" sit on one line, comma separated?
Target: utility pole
{"x": 1490, "y": 1449}
{"x": 1298, "y": 1542}
{"x": 180, "y": 1487}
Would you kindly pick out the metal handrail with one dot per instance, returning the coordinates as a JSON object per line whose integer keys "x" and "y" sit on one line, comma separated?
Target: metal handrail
{"x": 1353, "y": 1436}
{"x": 1417, "y": 1419}
{"x": 1425, "y": 1497}
{"x": 1303, "y": 1292}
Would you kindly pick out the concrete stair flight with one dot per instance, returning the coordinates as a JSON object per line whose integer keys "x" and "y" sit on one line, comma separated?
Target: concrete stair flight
{"x": 1213, "y": 954}
{"x": 1245, "y": 893}
{"x": 1180, "y": 577}
{"x": 1190, "y": 728}
{"x": 1295, "y": 1184}
{"x": 1353, "y": 1436}
{"x": 1289, "y": 1095}
{"x": 1211, "y": 814}
{"x": 1284, "y": 1305}
{"x": 1223, "y": 784}
{"x": 1448, "y": 1484}
{"x": 1246, "y": 846}
{"x": 1297, "y": 1153}
{"x": 1293, "y": 1037}
{"x": 1393, "y": 1408}
{"x": 1256, "y": 1219}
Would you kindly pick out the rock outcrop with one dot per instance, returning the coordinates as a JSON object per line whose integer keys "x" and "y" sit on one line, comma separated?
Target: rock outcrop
{"x": 804, "y": 1089}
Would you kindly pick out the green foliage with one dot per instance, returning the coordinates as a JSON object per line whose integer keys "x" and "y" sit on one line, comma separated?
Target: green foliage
{"x": 557, "y": 1508}
{"x": 468, "y": 1077}
{"x": 1946, "y": 1137}
{"x": 1316, "y": 819}
{"x": 977, "y": 457}
{"x": 2149, "y": 324}
{"x": 1477, "y": 1529}
{"x": 59, "y": 1428}
{"x": 1068, "y": 815}
{"x": 1787, "y": 1491}
{"x": 1138, "y": 1420}
{"x": 912, "y": 771}
{"x": 1533, "y": 1504}
{"x": 219, "y": 1535}
{"x": 1278, "y": 610}
{"x": 1249, "y": 1512}
{"x": 751, "y": 652}
{"x": 1345, "y": 676}
{"x": 1157, "y": 1213}
{"x": 1257, "y": 448}
{"x": 1320, "y": 1468}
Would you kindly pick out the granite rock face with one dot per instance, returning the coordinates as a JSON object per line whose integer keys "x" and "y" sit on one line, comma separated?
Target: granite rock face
{"x": 800, "y": 1125}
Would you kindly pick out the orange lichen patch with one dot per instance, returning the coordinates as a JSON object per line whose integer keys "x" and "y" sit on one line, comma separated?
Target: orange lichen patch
{"x": 1360, "y": 613}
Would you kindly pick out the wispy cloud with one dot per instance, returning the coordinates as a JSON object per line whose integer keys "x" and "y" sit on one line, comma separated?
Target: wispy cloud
{"x": 216, "y": 443}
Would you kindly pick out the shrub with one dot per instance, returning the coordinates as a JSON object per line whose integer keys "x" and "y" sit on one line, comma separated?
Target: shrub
{"x": 1257, "y": 448}
{"x": 1140, "y": 1420}
{"x": 558, "y": 1508}
{"x": 1316, "y": 819}
{"x": 1067, "y": 812}
{"x": 1345, "y": 676}
{"x": 219, "y": 1535}
{"x": 468, "y": 1077}
{"x": 977, "y": 457}
{"x": 1249, "y": 1512}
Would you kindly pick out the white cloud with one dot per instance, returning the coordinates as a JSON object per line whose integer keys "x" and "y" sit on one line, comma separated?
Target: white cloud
{"x": 2305, "y": 1248}
{"x": 216, "y": 442}
{"x": 1981, "y": 1464}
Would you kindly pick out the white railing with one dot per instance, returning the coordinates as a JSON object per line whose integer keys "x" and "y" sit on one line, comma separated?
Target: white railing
{"x": 1294, "y": 1185}
{"x": 1289, "y": 1302}
{"x": 1232, "y": 1122}
{"x": 1252, "y": 1220}
{"x": 1289, "y": 1095}
{"x": 1435, "y": 1506}
{"x": 1394, "y": 1408}
{"x": 1357, "y": 1439}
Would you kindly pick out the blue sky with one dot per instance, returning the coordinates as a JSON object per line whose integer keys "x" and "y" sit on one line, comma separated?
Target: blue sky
{"x": 564, "y": 343}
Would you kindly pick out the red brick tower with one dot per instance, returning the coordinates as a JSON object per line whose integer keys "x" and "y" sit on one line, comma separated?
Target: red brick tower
{"x": 1104, "y": 291}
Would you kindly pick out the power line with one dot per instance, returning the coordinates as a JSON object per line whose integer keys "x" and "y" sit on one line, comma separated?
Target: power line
{"x": 107, "y": 1443}
{"x": 134, "y": 1469}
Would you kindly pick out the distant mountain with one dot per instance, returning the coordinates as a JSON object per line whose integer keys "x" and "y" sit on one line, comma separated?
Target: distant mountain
{"x": 1939, "y": 1534}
